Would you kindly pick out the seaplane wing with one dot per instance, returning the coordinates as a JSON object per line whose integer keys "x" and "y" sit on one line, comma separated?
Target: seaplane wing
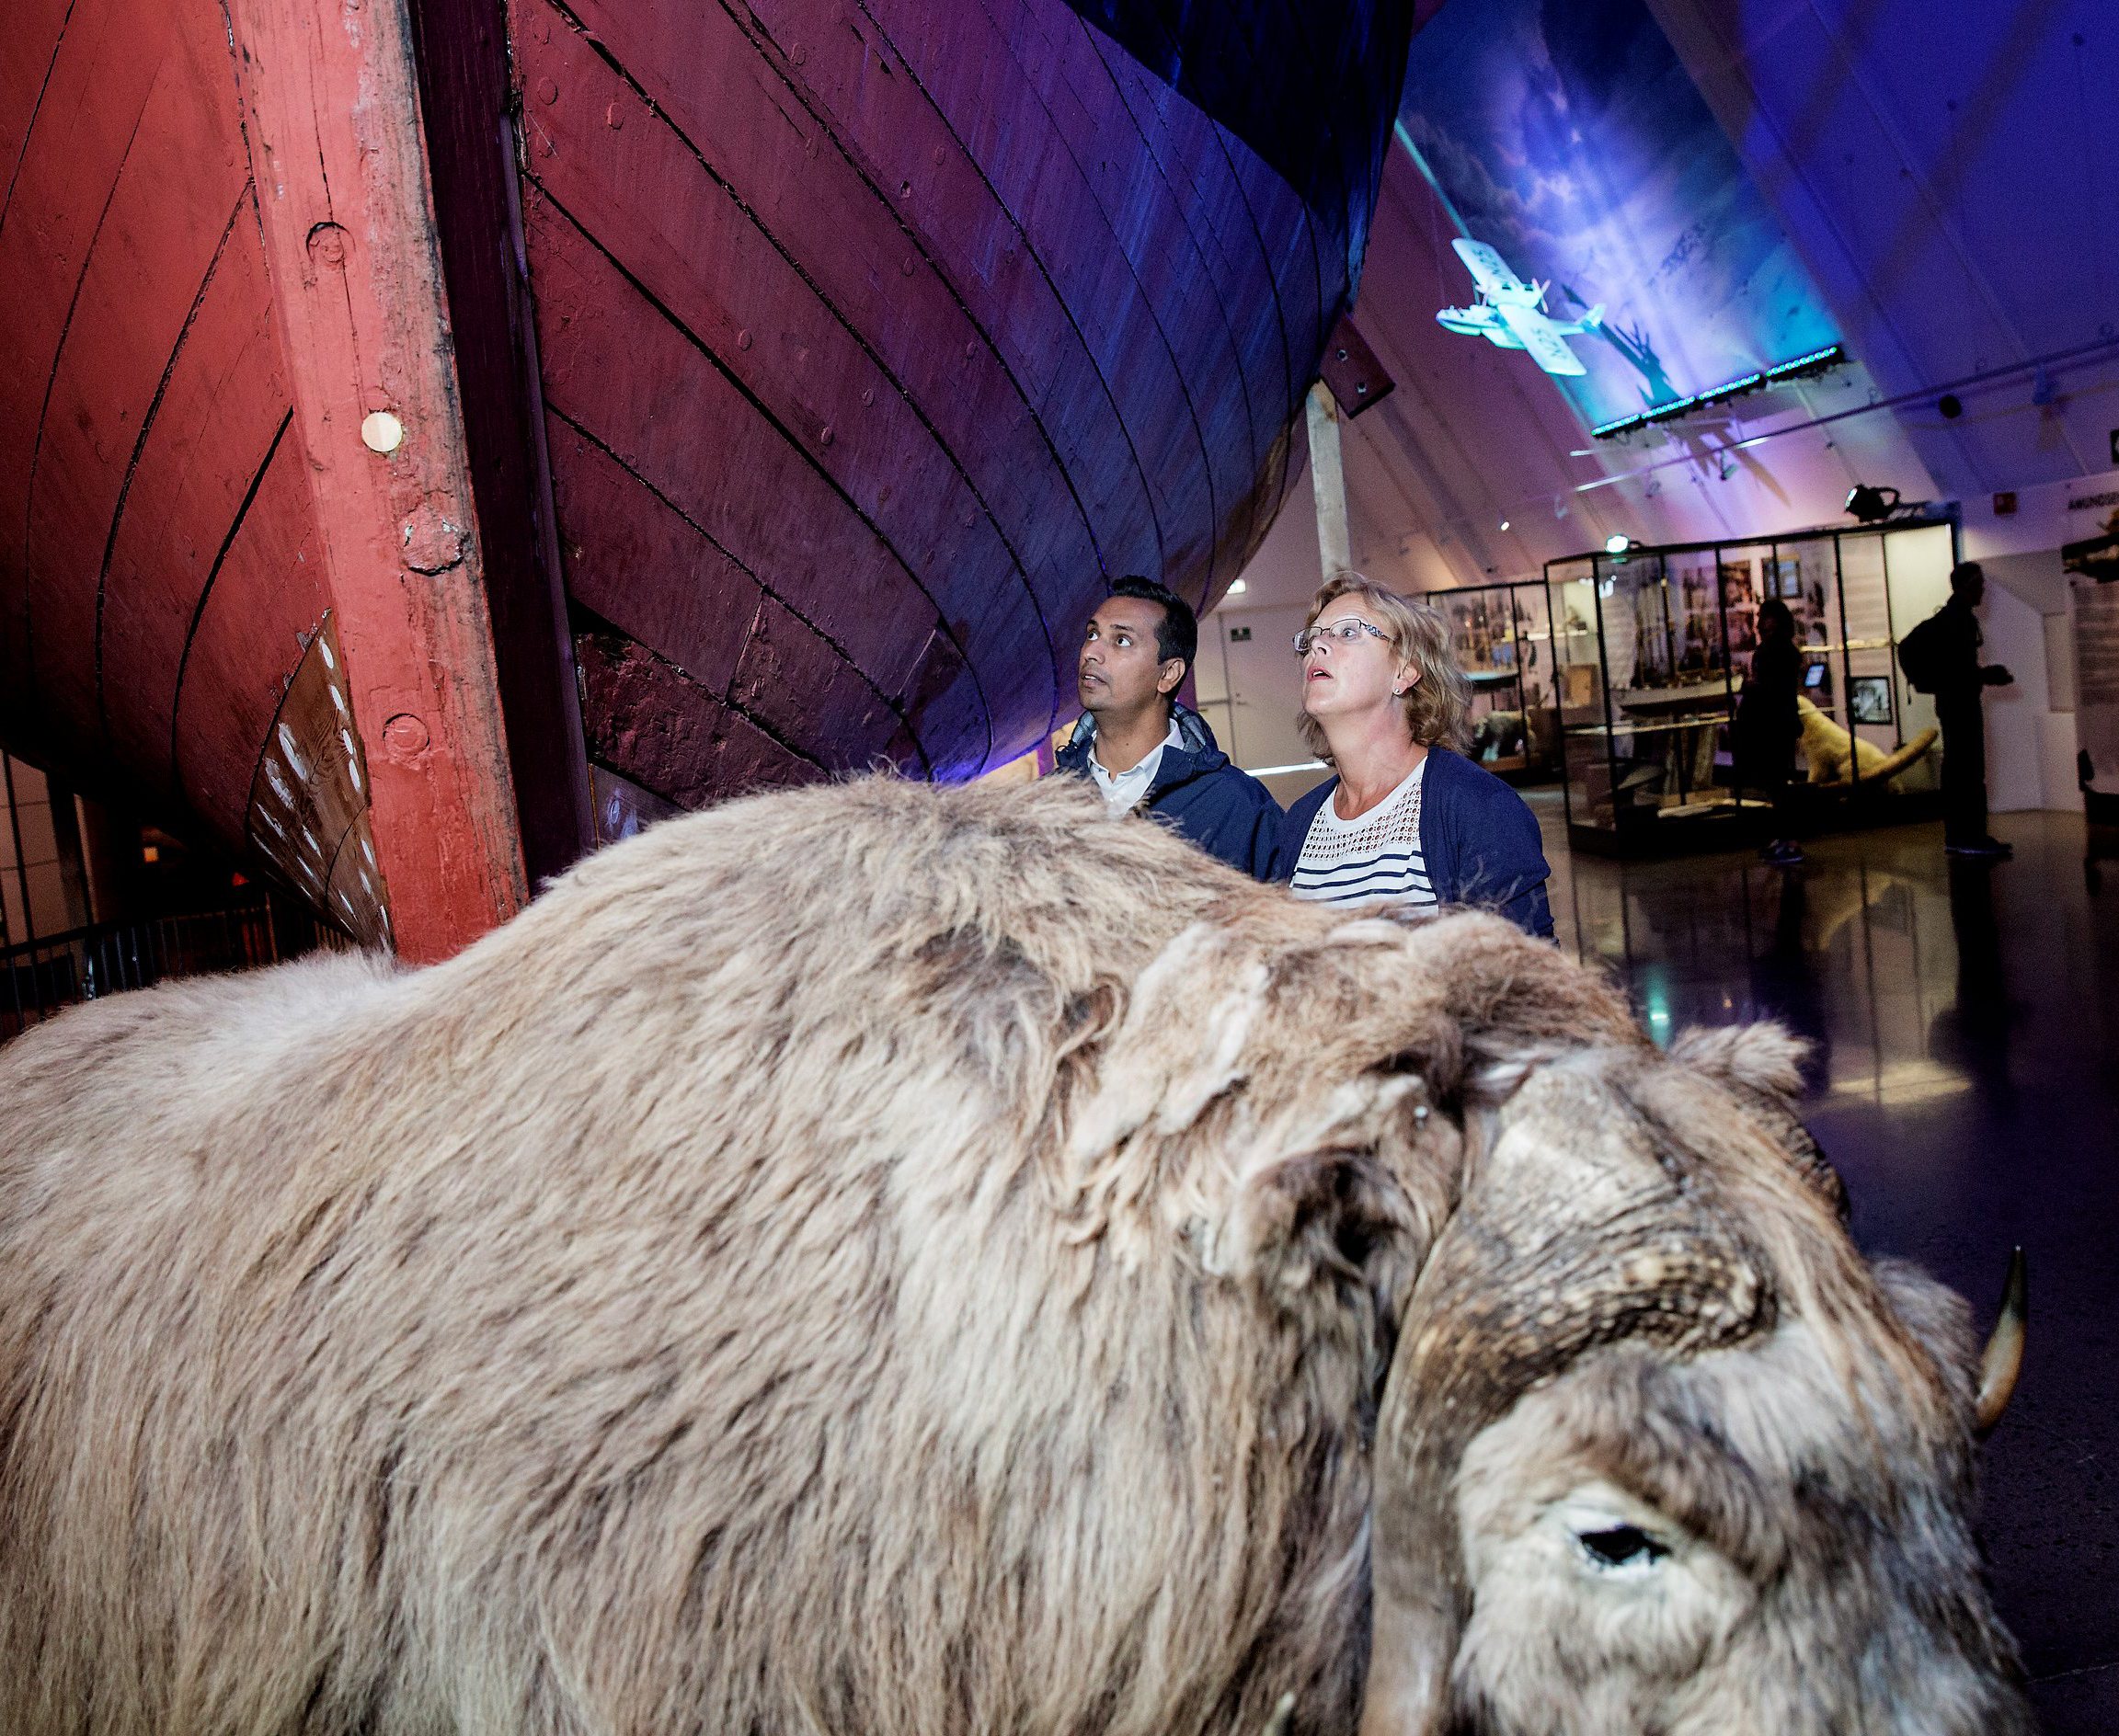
{"x": 1539, "y": 336}
{"x": 1489, "y": 270}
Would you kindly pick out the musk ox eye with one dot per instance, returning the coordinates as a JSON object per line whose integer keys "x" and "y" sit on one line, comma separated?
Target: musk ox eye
{"x": 1620, "y": 1545}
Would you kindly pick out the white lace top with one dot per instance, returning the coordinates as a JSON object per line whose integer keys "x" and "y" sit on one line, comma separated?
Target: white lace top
{"x": 1375, "y": 858}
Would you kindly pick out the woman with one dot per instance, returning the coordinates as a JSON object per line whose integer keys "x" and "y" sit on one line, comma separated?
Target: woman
{"x": 1763, "y": 737}
{"x": 1407, "y": 820}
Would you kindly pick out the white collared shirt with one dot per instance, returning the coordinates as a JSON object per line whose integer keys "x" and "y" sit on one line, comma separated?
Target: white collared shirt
{"x": 1122, "y": 790}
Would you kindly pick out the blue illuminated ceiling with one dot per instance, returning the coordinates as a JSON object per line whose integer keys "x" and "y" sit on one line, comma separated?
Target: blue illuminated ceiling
{"x": 1566, "y": 135}
{"x": 1944, "y": 179}
{"x": 1951, "y": 176}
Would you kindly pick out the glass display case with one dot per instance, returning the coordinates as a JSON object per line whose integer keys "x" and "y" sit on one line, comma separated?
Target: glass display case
{"x": 1502, "y": 636}
{"x": 1649, "y": 650}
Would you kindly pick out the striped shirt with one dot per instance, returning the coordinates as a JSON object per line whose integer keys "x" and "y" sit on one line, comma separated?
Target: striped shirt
{"x": 1375, "y": 858}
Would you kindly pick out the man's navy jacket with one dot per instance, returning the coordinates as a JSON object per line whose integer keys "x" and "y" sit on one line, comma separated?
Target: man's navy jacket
{"x": 1225, "y": 811}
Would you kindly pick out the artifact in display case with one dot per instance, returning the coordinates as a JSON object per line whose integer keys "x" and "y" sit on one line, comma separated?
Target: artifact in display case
{"x": 1502, "y": 639}
{"x": 1650, "y": 648}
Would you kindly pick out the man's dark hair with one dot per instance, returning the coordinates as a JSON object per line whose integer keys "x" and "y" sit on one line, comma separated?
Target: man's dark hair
{"x": 1965, "y": 574}
{"x": 1177, "y": 634}
{"x": 1773, "y": 608}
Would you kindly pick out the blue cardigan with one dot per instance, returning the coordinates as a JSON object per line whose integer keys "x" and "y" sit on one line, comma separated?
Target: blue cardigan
{"x": 1479, "y": 838}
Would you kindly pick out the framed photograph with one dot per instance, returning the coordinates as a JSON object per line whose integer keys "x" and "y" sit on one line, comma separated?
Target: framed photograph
{"x": 1868, "y": 699}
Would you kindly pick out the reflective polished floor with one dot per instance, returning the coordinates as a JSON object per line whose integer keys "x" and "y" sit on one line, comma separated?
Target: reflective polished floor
{"x": 1967, "y": 1084}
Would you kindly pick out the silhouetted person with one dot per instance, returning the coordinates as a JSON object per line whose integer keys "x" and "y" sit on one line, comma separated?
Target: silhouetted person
{"x": 1766, "y": 728}
{"x": 1960, "y": 680}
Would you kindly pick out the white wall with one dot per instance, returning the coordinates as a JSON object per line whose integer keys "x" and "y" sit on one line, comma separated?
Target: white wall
{"x": 2032, "y": 724}
{"x": 1251, "y": 686}
{"x": 2047, "y": 515}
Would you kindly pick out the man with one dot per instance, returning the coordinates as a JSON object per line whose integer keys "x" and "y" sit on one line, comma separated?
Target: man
{"x": 1959, "y": 680}
{"x": 1147, "y": 752}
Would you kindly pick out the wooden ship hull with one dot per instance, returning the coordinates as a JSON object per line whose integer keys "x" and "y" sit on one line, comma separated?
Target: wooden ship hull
{"x": 436, "y": 433}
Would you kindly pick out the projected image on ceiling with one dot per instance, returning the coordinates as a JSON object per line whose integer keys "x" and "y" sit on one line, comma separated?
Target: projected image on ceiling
{"x": 1606, "y": 227}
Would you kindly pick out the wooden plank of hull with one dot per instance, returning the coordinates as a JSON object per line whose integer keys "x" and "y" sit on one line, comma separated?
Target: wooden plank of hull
{"x": 29, "y": 47}
{"x": 134, "y": 304}
{"x": 349, "y": 240}
{"x": 1202, "y": 172}
{"x": 87, "y": 113}
{"x": 887, "y": 126}
{"x": 265, "y": 603}
{"x": 1187, "y": 148}
{"x": 224, "y": 403}
{"x": 1053, "y": 53}
{"x": 777, "y": 184}
{"x": 966, "y": 65}
{"x": 1202, "y": 169}
{"x": 926, "y": 392}
{"x": 712, "y": 619}
{"x": 684, "y": 744}
{"x": 1310, "y": 277}
{"x": 167, "y": 515}
{"x": 700, "y": 603}
{"x": 636, "y": 382}
{"x": 702, "y": 253}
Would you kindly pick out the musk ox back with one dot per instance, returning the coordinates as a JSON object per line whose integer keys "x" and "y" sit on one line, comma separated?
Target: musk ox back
{"x": 888, "y": 1260}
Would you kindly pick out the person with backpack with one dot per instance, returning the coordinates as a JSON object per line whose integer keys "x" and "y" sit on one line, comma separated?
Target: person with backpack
{"x": 1941, "y": 656}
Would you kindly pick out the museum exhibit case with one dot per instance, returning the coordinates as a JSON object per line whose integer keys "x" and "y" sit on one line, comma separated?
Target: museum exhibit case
{"x": 1502, "y": 639}
{"x": 1649, "y": 648}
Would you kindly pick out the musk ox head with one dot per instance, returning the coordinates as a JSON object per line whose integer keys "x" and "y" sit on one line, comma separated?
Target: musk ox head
{"x": 1660, "y": 1451}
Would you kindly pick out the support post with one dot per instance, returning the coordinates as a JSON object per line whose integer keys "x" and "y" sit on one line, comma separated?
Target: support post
{"x": 1328, "y": 483}
{"x": 332, "y": 123}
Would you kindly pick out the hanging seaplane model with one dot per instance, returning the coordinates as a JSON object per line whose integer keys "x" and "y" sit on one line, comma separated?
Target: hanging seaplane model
{"x": 1511, "y": 314}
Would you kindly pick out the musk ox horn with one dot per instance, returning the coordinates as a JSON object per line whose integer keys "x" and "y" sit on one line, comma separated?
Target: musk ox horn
{"x": 2003, "y": 1361}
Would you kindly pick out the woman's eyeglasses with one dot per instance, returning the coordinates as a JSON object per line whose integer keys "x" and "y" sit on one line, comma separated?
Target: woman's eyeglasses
{"x": 1347, "y": 632}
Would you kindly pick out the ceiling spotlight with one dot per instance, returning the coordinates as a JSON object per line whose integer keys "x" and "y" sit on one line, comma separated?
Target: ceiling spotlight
{"x": 1238, "y": 588}
{"x": 1951, "y": 405}
{"x": 1503, "y": 524}
{"x": 1872, "y": 506}
{"x": 1616, "y": 543}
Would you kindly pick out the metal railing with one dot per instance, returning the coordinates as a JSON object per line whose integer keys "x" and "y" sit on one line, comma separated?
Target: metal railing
{"x": 42, "y": 977}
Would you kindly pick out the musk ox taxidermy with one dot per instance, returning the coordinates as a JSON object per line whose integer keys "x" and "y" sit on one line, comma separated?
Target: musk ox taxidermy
{"x": 880, "y": 1261}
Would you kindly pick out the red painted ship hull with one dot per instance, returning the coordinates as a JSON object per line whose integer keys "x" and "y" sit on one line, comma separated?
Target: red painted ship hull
{"x": 776, "y": 386}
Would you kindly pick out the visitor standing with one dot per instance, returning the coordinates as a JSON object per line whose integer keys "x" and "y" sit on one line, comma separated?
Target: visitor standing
{"x": 1405, "y": 819}
{"x": 1144, "y": 750}
{"x": 1942, "y": 656}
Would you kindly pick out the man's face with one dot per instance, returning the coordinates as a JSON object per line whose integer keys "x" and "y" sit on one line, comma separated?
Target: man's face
{"x": 1119, "y": 669}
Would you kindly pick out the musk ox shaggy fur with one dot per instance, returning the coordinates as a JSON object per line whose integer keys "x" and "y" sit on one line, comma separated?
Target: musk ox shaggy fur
{"x": 886, "y": 1260}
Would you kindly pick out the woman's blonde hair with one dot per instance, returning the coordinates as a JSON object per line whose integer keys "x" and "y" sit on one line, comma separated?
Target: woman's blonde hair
{"x": 1438, "y": 705}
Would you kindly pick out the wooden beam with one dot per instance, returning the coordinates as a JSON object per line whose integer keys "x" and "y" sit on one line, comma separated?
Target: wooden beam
{"x": 1328, "y": 484}
{"x": 331, "y": 118}
{"x": 462, "y": 48}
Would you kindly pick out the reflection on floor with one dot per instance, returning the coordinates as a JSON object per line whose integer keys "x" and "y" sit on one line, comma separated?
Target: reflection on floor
{"x": 1966, "y": 1084}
